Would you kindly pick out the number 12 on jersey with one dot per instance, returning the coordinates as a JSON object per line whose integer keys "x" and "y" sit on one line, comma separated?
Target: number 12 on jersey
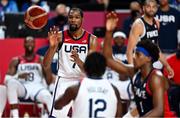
{"x": 96, "y": 106}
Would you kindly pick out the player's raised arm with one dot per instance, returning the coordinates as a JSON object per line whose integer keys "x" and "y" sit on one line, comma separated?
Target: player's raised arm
{"x": 107, "y": 49}
{"x": 134, "y": 35}
{"x": 93, "y": 44}
{"x": 55, "y": 39}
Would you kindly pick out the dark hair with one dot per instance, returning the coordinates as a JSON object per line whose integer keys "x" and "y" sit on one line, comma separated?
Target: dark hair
{"x": 147, "y": 1}
{"x": 95, "y": 65}
{"x": 77, "y": 9}
{"x": 151, "y": 48}
{"x": 137, "y": 1}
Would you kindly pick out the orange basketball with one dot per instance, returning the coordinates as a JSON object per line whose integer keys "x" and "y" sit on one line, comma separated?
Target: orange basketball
{"x": 35, "y": 17}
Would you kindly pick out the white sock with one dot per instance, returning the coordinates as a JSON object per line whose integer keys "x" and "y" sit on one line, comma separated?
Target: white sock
{"x": 15, "y": 113}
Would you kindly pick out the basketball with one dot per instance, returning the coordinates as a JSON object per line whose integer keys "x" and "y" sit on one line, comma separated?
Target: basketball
{"x": 35, "y": 17}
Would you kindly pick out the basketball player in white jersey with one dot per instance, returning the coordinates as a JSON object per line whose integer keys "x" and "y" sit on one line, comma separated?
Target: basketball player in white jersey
{"x": 64, "y": 42}
{"x": 93, "y": 96}
{"x": 144, "y": 28}
{"x": 24, "y": 79}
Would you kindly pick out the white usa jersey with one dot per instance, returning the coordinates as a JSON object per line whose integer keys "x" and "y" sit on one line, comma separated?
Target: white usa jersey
{"x": 32, "y": 67}
{"x": 67, "y": 68}
{"x": 111, "y": 74}
{"x": 95, "y": 98}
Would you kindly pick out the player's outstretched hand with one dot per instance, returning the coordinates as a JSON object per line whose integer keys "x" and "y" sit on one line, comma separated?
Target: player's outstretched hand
{"x": 24, "y": 75}
{"x": 54, "y": 37}
{"x": 75, "y": 56}
{"x": 170, "y": 72}
{"x": 111, "y": 21}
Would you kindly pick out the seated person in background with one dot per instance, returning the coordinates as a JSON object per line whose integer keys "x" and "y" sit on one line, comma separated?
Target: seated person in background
{"x": 7, "y": 6}
{"x": 119, "y": 80}
{"x": 119, "y": 53}
{"x": 135, "y": 12}
{"x": 24, "y": 79}
{"x": 119, "y": 47}
{"x": 61, "y": 19}
{"x": 93, "y": 96}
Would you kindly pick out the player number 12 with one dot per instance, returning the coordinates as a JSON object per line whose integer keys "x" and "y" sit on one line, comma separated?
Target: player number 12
{"x": 98, "y": 109}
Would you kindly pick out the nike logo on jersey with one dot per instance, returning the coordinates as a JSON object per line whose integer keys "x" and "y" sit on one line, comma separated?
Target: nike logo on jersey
{"x": 67, "y": 40}
{"x": 80, "y": 49}
{"x": 84, "y": 41}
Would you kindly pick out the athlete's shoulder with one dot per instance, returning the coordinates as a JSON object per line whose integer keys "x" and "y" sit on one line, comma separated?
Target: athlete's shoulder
{"x": 137, "y": 26}
{"x": 158, "y": 80}
{"x": 15, "y": 61}
{"x": 17, "y": 58}
{"x": 138, "y": 23}
{"x": 93, "y": 36}
{"x": 157, "y": 74}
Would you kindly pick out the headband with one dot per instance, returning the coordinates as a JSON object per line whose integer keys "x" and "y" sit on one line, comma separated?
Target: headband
{"x": 143, "y": 50}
